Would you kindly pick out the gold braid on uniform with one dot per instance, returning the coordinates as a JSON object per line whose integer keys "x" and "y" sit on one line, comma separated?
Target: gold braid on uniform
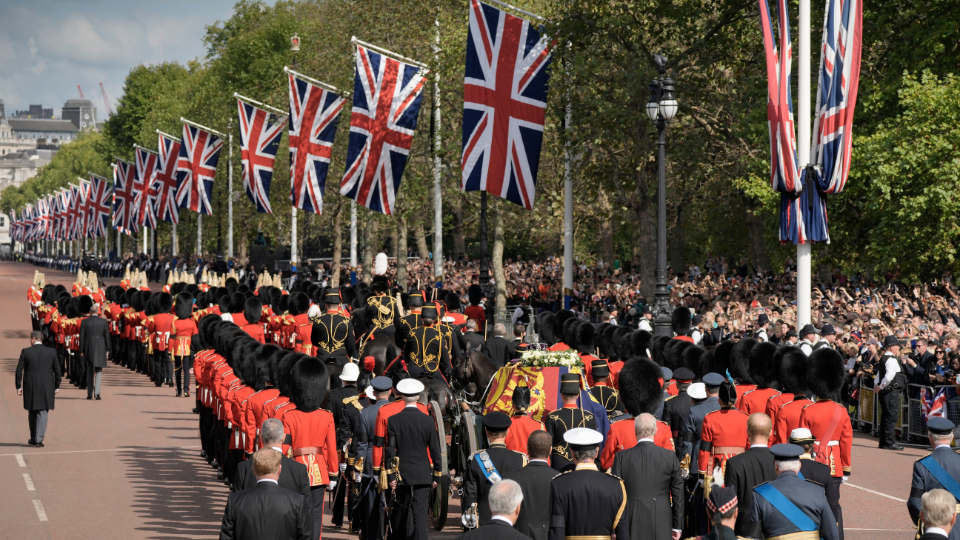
{"x": 353, "y": 401}
{"x": 425, "y": 359}
{"x": 334, "y": 344}
{"x": 623, "y": 505}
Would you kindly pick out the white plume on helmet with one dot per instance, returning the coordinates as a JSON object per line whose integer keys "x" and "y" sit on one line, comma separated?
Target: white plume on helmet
{"x": 380, "y": 264}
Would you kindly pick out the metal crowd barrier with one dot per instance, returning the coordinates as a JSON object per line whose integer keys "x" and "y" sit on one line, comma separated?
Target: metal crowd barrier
{"x": 917, "y": 423}
{"x": 868, "y": 413}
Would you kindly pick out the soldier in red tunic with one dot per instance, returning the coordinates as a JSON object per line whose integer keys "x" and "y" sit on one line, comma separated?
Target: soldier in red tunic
{"x": 252, "y": 312}
{"x": 793, "y": 380}
{"x": 522, "y": 425}
{"x": 763, "y": 371}
{"x": 724, "y": 435}
{"x": 740, "y": 367}
{"x": 312, "y": 433}
{"x": 302, "y": 325}
{"x": 160, "y": 326}
{"x": 267, "y": 356}
{"x": 182, "y": 335}
{"x": 641, "y": 391}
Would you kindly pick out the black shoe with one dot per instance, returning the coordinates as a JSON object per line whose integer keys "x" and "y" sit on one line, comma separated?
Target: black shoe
{"x": 30, "y": 442}
{"x": 219, "y": 474}
{"x": 98, "y": 397}
{"x": 203, "y": 453}
{"x": 89, "y": 397}
{"x": 39, "y": 445}
{"x": 196, "y": 410}
{"x": 895, "y": 447}
{"x": 215, "y": 464}
{"x": 170, "y": 384}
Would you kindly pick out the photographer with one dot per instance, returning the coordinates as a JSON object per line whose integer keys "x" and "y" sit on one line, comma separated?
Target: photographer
{"x": 890, "y": 380}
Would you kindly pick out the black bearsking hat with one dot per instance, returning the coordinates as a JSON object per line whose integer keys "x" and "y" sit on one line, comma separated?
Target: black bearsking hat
{"x": 763, "y": 369}
{"x": 825, "y": 373}
{"x": 641, "y": 386}
{"x": 310, "y": 383}
{"x": 252, "y": 310}
{"x": 680, "y": 320}
{"x": 740, "y": 360}
{"x": 183, "y": 307}
{"x": 793, "y": 371}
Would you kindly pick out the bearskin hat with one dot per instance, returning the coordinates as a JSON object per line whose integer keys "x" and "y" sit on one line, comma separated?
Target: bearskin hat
{"x": 570, "y": 332}
{"x": 207, "y": 330}
{"x": 722, "y": 357}
{"x": 740, "y": 360}
{"x": 252, "y": 310}
{"x": 224, "y": 337}
{"x": 586, "y": 334}
{"x": 691, "y": 359}
{"x": 281, "y": 368}
{"x": 560, "y": 321}
{"x": 266, "y": 355}
{"x": 164, "y": 302}
{"x": 825, "y": 373}
{"x": 240, "y": 352}
{"x": 545, "y": 328}
{"x": 681, "y": 320}
{"x": 62, "y": 302}
{"x": 349, "y": 295}
{"x": 176, "y": 288}
{"x": 237, "y": 300}
{"x": 632, "y": 344}
{"x": 49, "y": 295}
{"x": 184, "y": 305}
{"x": 84, "y": 304}
{"x": 143, "y": 298}
{"x": 310, "y": 383}
{"x": 231, "y": 285}
{"x": 474, "y": 294}
{"x": 299, "y": 303}
{"x": 58, "y": 290}
{"x": 72, "y": 310}
{"x": 223, "y": 302}
{"x": 673, "y": 353}
{"x": 192, "y": 288}
{"x": 793, "y": 370}
{"x": 282, "y": 304}
{"x": 452, "y": 300}
{"x": 657, "y": 344}
{"x": 151, "y": 308}
{"x": 129, "y": 297}
{"x": 763, "y": 370}
{"x": 380, "y": 283}
{"x": 641, "y": 386}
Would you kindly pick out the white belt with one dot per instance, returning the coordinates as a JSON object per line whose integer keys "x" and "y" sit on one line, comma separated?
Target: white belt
{"x": 833, "y": 443}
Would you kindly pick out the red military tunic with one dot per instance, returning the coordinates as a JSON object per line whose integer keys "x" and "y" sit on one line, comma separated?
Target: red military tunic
{"x": 788, "y": 418}
{"x": 519, "y": 431}
{"x": 254, "y": 412}
{"x": 183, "y": 332}
{"x": 672, "y": 389}
{"x": 773, "y": 408}
{"x": 834, "y": 448}
{"x": 303, "y": 329}
{"x": 161, "y": 328}
{"x": 742, "y": 390}
{"x": 380, "y": 431}
{"x": 755, "y": 401}
{"x": 241, "y": 402}
{"x": 724, "y": 436}
{"x": 559, "y": 347}
{"x": 255, "y": 331}
{"x": 623, "y": 436}
{"x": 313, "y": 443}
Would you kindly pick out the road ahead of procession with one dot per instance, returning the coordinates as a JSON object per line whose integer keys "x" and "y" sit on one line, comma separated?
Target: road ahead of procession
{"x": 129, "y": 466}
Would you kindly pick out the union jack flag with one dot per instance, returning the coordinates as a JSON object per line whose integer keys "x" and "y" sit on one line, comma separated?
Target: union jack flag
{"x": 165, "y": 180}
{"x": 260, "y": 133}
{"x": 14, "y": 226}
{"x": 933, "y": 406}
{"x": 84, "y": 209}
{"x": 26, "y": 223}
{"x": 124, "y": 217}
{"x": 504, "y": 103}
{"x": 73, "y": 213}
{"x": 386, "y": 103}
{"x": 145, "y": 188}
{"x": 314, "y": 112}
{"x": 59, "y": 215}
{"x": 196, "y": 168}
{"x": 100, "y": 202}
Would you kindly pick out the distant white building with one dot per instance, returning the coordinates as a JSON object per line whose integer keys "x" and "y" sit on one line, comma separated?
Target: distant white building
{"x": 9, "y": 141}
{"x": 17, "y": 167}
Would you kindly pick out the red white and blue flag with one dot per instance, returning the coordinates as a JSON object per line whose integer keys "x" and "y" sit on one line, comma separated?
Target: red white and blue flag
{"x": 165, "y": 180}
{"x": 124, "y": 213}
{"x": 386, "y": 103}
{"x": 504, "y": 103}
{"x": 260, "y": 133}
{"x": 196, "y": 168}
{"x": 933, "y": 406}
{"x": 100, "y": 200}
{"x": 59, "y": 215}
{"x": 144, "y": 201}
{"x": 314, "y": 115}
{"x": 73, "y": 213}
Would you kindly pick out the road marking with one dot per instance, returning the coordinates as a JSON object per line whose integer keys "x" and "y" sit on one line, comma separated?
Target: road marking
{"x": 29, "y": 482}
{"x": 877, "y": 493}
{"x": 20, "y": 460}
{"x": 38, "y": 506}
{"x": 104, "y": 450}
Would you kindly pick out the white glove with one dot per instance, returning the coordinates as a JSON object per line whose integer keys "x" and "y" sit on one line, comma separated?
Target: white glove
{"x": 845, "y": 479}
{"x": 343, "y": 467}
{"x": 333, "y": 484}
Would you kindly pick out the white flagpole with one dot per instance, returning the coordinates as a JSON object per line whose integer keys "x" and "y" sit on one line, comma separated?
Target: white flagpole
{"x": 353, "y": 242}
{"x": 567, "y": 218}
{"x": 230, "y": 194}
{"x": 173, "y": 239}
{"x": 438, "y": 195}
{"x": 804, "y": 271}
{"x": 293, "y": 235}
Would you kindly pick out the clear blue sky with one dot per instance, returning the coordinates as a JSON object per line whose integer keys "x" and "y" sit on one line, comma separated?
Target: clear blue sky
{"x": 48, "y": 47}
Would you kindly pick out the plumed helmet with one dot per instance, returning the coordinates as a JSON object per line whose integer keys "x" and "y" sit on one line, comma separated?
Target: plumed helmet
{"x": 164, "y": 302}
{"x": 585, "y": 338}
{"x": 453, "y": 302}
{"x": 252, "y": 310}
{"x": 570, "y": 332}
{"x": 545, "y": 328}
{"x": 673, "y": 353}
{"x": 680, "y": 320}
{"x": 310, "y": 383}
{"x": 825, "y": 373}
{"x": 657, "y": 344}
{"x": 793, "y": 370}
{"x": 84, "y": 304}
{"x": 763, "y": 370}
{"x": 740, "y": 360}
{"x": 184, "y": 305}
{"x": 690, "y": 359}
{"x": 299, "y": 303}
{"x": 641, "y": 386}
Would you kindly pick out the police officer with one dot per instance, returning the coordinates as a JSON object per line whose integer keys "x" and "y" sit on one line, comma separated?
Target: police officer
{"x": 369, "y": 511}
{"x": 568, "y": 417}
{"x": 789, "y": 505}
{"x": 408, "y": 322}
{"x": 937, "y": 470}
{"x": 487, "y": 467}
{"x": 889, "y": 380}
{"x": 607, "y": 396}
{"x": 425, "y": 354}
{"x": 332, "y": 335}
{"x": 584, "y": 502}
{"x": 808, "y": 339}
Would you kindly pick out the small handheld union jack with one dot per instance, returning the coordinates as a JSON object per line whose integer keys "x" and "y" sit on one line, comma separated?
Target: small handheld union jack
{"x": 196, "y": 168}
{"x": 260, "y": 133}
{"x": 314, "y": 115}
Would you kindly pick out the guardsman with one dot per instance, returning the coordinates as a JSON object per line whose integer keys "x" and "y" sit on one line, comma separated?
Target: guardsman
{"x": 181, "y": 339}
{"x": 408, "y": 322}
{"x": 763, "y": 371}
{"x": 487, "y": 467}
{"x": 939, "y": 469}
{"x": 789, "y": 507}
{"x": 343, "y": 399}
{"x": 333, "y": 336}
{"x": 641, "y": 391}
{"x": 425, "y": 354}
{"x": 252, "y": 311}
{"x": 793, "y": 379}
{"x": 161, "y": 328}
{"x": 411, "y": 475}
{"x": 607, "y": 396}
{"x": 301, "y": 324}
{"x": 568, "y": 417}
{"x": 522, "y": 425}
{"x": 723, "y": 435}
{"x": 369, "y": 511}
{"x": 706, "y": 400}
{"x": 584, "y": 502}
{"x": 888, "y": 383}
{"x": 676, "y": 408}
{"x": 454, "y": 314}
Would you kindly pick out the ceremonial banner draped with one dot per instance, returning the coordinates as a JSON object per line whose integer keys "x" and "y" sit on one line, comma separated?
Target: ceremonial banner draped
{"x": 386, "y": 104}
{"x": 260, "y": 133}
{"x": 165, "y": 180}
{"x": 124, "y": 196}
{"x": 100, "y": 197}
{"x": 144, "y": 186}
{"x": 196, "y": 168}
{"x": 504, "y": 103}
{"x": 314, "y": 115}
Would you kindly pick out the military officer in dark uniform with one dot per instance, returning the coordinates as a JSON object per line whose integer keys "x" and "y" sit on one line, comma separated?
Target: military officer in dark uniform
{"x": 811, "y": 469}
{"x": 340, "y": 401}
{"x": 722, "y": 504}
{"x": 425, "y": 354}
{"x": 607, "y": 396}
{"x": 453, "y": 339}
{"x": 584, "y": 502}
{"x": 369, "y": 511}
{"x": 943, "y": 463}
{"x": 487, "y": 467}
{"x": 408, "y": 322}
{"x": 381, "y": 307}
{"x": 789, "y": 505}
{"x": 407, "y": 466}
{"x": 676, "y": 408}
{"x": 220, "y": 267}
{"x": 332, "y": 335}
{"x": 706, "y": 400}
{"x": 569, "y": 417}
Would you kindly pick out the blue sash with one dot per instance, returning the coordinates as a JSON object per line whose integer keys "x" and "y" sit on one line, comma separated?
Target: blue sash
{"x": 487, "y": 467}
{"x": 785, "y": 507}
{"x": 942, "y": 476}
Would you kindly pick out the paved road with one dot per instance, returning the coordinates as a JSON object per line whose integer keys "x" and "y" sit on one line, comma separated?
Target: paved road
{"x": 129, "y": 466}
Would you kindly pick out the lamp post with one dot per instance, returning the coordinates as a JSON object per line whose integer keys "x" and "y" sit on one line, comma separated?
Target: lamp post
{"x": 661, "y": 109}
{"x": 295, "y": 48}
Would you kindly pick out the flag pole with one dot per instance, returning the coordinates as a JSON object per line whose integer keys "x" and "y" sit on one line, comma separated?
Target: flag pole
{"x": 567, "y": 215}
{"x": 437, "y": 193}
{"x": 342, "y": 93}
{"x": 257, "y": 103}
{"x": 353, "y": 242}
{"x": 804, "y": 271}
{"x": 230, "y": 191}
{"x": 196, "y": 125}
{"x": 388, "y": 52}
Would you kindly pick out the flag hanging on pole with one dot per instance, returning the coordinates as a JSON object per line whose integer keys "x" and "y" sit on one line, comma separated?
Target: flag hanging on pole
{"x": 84, "y": 208}
{"x": 196, "y": 168}
{"x": 314, "y": 115}
{"x": 165, "y": 180}
{"x": 386, "y": 103}
{"x": 100, "y": 201}
{"x": 144, "y": 201}
{"x": 260, "y": 133}
{"x": 504, "y": 104}
{"x": 123, "y": 204}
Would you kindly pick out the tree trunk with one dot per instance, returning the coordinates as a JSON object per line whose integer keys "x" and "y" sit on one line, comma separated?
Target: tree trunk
{"x": 422, "y": 248}
{"x": 401, "y": 243}
{"x": 458, "y": 234}
{"x": 675, "y": 242}
{"x": 392, "y": 252}
{"x": 498, "y": 275}
{"x": 337, "y": 246}
{"x": 368, "y": 247}
{"x": 606, "y": 229}
{"x": 243, "y": 245}
{"x": 758, "y": 247}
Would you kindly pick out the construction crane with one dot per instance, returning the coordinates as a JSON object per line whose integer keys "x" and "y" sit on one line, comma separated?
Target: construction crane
{"x": 81, "y": 92}
{"x": 106, "y": 100}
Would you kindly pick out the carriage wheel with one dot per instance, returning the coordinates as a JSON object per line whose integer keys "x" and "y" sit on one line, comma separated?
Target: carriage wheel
{"x": 439, "y": 496}
{"x": 472, "y": 439}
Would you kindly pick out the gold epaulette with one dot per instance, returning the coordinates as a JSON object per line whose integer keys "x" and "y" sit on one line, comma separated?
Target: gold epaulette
{"x": 354, "y": 401}
{"x": 669, "y": 398}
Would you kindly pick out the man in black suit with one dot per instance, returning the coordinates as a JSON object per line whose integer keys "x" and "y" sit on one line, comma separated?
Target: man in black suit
{"x": 487, "y": 467}
{"x": 408, "y": 468}
{"x": 498, "y": 348}
{"x": 938, "y": 510}
{"x": 293, "y": 474}
{"x": 652, "y": 476}
{"x": 94, "y": 344}
{"x": 506, "y": 500}
{"x": 267, "y": 511}
{"x": 750, "y": 469}
{"x": 38, "y": 381}
{"x": 474, "y": 340}
{"x": 534, "y": 480}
